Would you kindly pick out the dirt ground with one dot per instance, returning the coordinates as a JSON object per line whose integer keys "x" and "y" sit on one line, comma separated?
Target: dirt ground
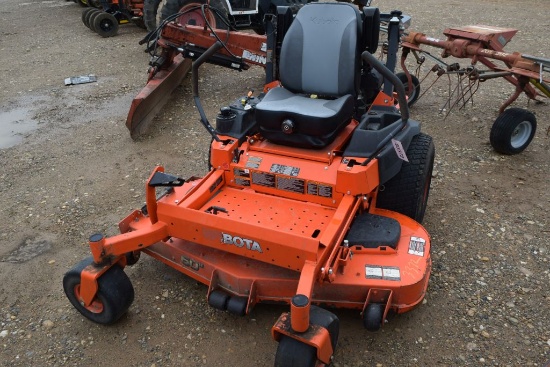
{"x": 70, "y": 169}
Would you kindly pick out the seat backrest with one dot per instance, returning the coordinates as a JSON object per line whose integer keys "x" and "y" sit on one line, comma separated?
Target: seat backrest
{"x": 319, "y": 54}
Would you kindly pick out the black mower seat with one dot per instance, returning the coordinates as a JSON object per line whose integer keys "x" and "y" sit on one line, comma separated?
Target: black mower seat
{"x": 319, "y": 69}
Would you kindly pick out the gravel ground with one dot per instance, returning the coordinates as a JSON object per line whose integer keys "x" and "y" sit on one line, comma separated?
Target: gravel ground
{"x": 72, "y": 170}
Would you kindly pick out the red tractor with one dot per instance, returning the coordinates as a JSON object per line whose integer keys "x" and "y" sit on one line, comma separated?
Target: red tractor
{"x": 104, "y": 16}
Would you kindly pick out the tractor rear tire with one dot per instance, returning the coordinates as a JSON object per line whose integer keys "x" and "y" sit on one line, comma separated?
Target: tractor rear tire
{"x": 114, "y": 296}
{"x": 513, "y": 131}
{"x": 194, "y": 17}
{"x": 412, "y": 96}
{"x": 407, "y": 192}
{"x": 150, "y": 11}
{"x": 105, "y": 24}
{"x": 294, "y": 353}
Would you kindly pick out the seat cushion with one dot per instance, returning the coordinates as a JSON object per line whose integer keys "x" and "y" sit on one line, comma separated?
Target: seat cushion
{"x": 316, "y": 122}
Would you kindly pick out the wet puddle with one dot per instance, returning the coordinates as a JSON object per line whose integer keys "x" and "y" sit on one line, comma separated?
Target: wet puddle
{"x": 28, "y": 249}
{"x": 14, "y": 125}
{"x": 60, "y": 108}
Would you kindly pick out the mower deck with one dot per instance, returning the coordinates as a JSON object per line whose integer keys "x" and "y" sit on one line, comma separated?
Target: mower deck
{"x": 382, "y": 272}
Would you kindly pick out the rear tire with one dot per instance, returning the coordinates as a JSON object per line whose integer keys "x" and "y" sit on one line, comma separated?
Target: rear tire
{"x": 114, "y": 296}
{"x": 513, "y": 131}
{"x": 150, "y": 11}
{"x": 194, "y": 17}
{"x": 407, "y": 192}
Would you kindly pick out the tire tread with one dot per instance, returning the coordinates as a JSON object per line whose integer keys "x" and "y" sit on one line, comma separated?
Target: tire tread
{"x": 403, "y": 192}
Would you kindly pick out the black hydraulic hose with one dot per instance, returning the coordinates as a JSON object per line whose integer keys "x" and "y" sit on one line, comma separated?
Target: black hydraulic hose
{"x": 198, "y": 62}
{"x": 195, "y": 76}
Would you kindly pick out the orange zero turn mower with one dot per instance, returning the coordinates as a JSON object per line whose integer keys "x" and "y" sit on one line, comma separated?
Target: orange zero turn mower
{"x": 312, "y": 199}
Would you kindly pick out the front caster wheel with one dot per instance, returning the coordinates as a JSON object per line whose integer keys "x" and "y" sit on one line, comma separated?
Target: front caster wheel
{"x": 513, "y": 130}
{"x": 114, "y": 296}
{"x": 293, "y": 353}
{"x": 373, "y": 316}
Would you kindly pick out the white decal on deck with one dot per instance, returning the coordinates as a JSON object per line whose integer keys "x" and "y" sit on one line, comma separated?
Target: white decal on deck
{"x": 416, "y": 246}
{"x": 382, "y": 272}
